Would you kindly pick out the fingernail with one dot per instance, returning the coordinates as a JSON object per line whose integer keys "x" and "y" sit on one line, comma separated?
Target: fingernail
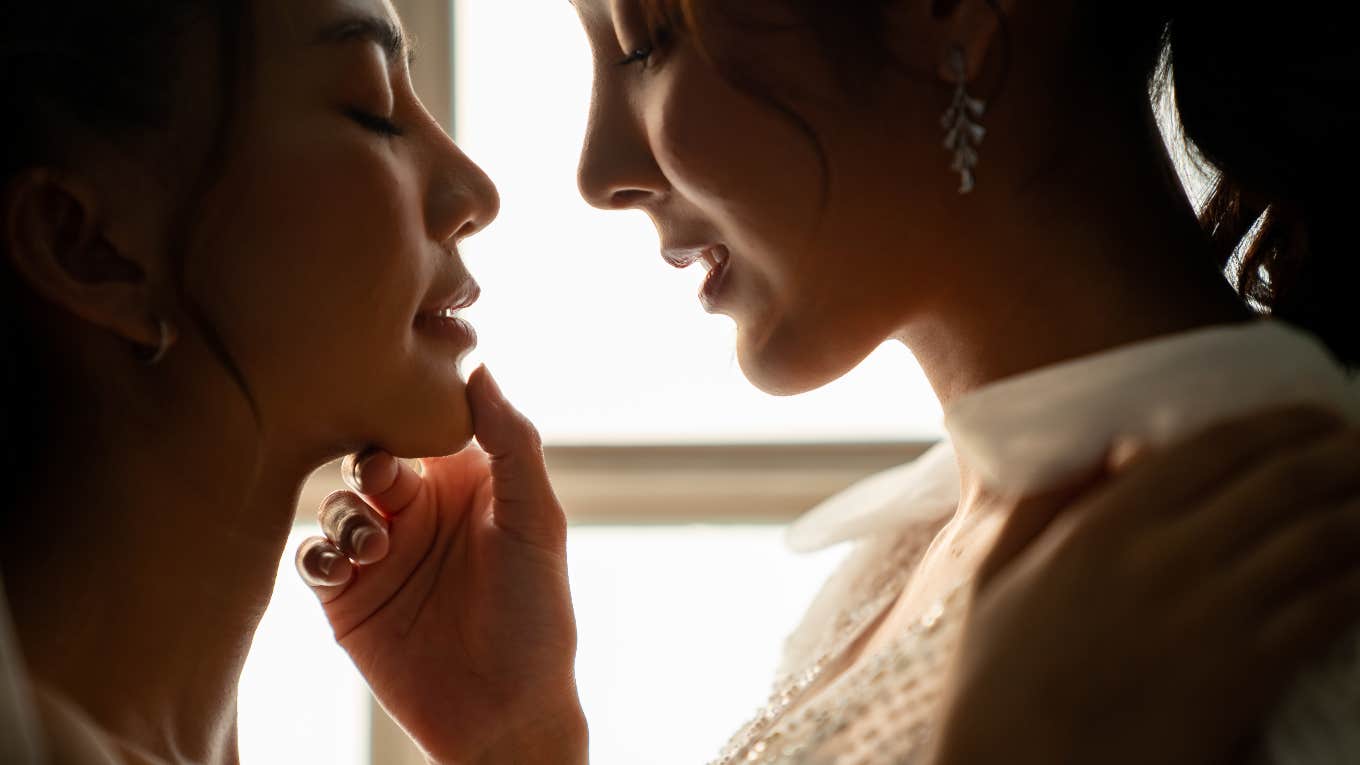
{"x": 364, "y": 474}
{"x": 349, "y": 471}
{"x": 491, "y": 381}
{"x": 370, "y": 545}
{"x": 1124, "y": 452}
{"x": 327, "y": 573}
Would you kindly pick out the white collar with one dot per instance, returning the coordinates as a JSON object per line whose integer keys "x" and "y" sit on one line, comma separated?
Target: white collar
{"x": 1031, "y": 432}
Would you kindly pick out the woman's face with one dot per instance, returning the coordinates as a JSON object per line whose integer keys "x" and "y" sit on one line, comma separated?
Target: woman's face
{"x": 328, "y": 247}
{"x": 815, "y": 267}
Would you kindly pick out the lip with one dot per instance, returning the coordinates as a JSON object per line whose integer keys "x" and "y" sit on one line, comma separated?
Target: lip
{"x": 718, "y": 261}
{"x": 439, "y": 320}
{"x": 716, "y": 258}
{"x": 451, "y": 329}
{"x": 462, "y": 296}
{"x": 684, "y": 257}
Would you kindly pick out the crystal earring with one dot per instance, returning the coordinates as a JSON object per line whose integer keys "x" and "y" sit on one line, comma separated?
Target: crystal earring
{"x": 961, "y": 120}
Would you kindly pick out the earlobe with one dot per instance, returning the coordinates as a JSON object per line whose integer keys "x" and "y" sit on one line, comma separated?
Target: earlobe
{"x": 977, "y": 27}
{"x": 53, "y": 237}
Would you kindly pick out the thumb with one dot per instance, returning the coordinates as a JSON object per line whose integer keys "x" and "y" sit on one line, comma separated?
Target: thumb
{"x": 523, "y": 502}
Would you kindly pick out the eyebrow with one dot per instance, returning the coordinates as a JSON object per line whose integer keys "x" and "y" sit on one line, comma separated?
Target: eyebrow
{"x": 375, "y": 29}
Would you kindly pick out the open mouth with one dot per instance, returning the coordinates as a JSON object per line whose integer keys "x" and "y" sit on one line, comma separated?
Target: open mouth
{"x": 711, "y": 255}
{"x": 715, "y": 259}
{"x": 441, "y": 319}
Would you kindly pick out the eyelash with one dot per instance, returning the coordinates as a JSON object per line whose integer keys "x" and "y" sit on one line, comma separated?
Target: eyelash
{"x": 639, "y": 56}
{"x": 644, "y": 54}
{"x": 372, "y": 122}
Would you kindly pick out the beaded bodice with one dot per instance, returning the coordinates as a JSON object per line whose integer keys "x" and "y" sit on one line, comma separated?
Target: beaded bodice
{"x": 1025, "y": 435}
{"x": 880, "y": 710}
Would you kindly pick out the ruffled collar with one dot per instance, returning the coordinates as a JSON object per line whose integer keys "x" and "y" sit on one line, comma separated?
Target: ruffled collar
{"x": 1031, "y": 432}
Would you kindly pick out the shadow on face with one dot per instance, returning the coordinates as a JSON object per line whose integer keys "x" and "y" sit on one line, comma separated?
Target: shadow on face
{"x": 289, "y": 211}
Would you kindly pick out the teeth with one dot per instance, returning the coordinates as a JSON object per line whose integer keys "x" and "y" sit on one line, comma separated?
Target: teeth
{"x": 446, "y": 313}
{"x": 714, "y": 257}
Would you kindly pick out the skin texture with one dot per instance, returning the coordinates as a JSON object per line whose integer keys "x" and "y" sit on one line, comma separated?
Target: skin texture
{"x": 1073, "y": 242}
{"x": 1072, "y": 189}
{"x": 136, "y": 586}
{"x": 893, "y": 252}
{"x": 711, "y": 165}
{"x": 314, "y": 250}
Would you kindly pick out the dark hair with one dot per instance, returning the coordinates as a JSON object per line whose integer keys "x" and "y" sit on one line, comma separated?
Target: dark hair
{"x": 73, "y": 70}
{"x": 1264, "y": 99}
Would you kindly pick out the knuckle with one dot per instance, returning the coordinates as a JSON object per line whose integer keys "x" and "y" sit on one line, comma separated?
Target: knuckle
{"x": 529, "y": 433}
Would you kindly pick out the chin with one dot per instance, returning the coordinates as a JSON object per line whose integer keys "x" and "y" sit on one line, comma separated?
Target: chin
{"x": 788, "y": 361}
{"x": 784, "y": 366}
{"x": 431, "y": 425}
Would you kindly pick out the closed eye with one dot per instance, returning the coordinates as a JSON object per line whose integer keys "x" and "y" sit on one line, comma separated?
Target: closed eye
{"x": 374, "y": 123}
{"x": 638, "y": 56}
{"x": 644, "y": 54}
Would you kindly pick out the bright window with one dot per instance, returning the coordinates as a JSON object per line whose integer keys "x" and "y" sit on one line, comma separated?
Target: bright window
{"x": 601, "y": 343}
{"x": 679, "y": 630}
{"x": 587, "y": 329}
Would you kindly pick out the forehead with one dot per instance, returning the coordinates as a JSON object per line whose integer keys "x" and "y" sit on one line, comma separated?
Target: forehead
{"x": 305, "y": 23}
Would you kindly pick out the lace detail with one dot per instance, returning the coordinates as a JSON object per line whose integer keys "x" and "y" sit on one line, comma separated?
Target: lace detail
{"x": 879, "y": 711}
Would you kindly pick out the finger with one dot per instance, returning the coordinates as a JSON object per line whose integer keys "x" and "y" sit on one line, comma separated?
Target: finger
{"x": 1027, "y": 521}
{"x": 1177, "y": 478}
{"x": 1275, "y": 494}
{"x": 356, "y": 529}
{"x": 1304, "y": 628}
{"x": 523, "y": 498}
{"x": 389, "y": 484}
{"x": 323, "y": 567}
{"x": 1287, "y": 565}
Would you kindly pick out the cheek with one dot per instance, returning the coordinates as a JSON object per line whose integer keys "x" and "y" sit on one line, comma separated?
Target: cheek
{"x": 319, "y": 266}
{"x": 749, "y": 170}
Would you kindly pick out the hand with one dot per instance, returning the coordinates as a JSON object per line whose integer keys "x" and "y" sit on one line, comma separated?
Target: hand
{"x": 449, "y": 591}
{"x": 1158, "y": 617}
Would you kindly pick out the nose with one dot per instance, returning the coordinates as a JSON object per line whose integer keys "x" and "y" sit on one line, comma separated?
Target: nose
{"x": 618, "y": 169}
{"x": 461, "y": 199}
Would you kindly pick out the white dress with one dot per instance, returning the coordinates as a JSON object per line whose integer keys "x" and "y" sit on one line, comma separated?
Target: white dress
{"x": 1024, "y": 435}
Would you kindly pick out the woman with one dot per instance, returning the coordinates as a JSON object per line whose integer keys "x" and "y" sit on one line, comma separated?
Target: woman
{"x": 230, "y": 239}
{"x": 794, "y": 149}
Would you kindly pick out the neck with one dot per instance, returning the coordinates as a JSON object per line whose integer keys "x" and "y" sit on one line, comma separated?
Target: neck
{"x": 1098, "y": 253}
{"x": 144, "y": 567}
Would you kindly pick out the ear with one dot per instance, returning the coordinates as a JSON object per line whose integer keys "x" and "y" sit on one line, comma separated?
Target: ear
{"x": 975, "y": 26}
{"x": 53, "y": 233}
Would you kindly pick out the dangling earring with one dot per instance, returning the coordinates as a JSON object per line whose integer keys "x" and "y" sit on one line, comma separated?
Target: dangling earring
{"x": 961, "y": 120}
{"x": 152, "y": 357}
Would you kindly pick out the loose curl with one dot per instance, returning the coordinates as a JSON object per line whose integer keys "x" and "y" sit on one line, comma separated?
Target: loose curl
{"x": 1265, "y": 100}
